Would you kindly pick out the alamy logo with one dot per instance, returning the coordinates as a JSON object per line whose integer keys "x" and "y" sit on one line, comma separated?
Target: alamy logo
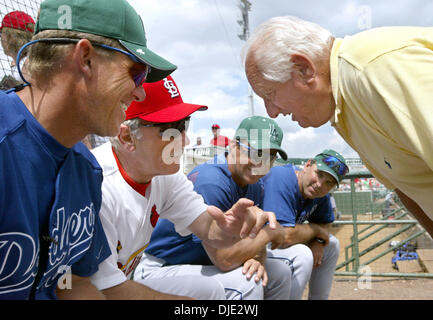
{"x": 171, "y": 88}
{"x": 65, "y": 20}
{"x": 73, "y": 233}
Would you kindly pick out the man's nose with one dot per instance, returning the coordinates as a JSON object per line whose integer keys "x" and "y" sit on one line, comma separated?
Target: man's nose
{"x": 272, "y": 110}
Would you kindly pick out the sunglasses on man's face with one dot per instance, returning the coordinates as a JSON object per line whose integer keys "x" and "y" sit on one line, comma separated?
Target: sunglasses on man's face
{"x": 180, "y": 126}
{"x": 256, "y": 155}
{"x": 138, "y": 72}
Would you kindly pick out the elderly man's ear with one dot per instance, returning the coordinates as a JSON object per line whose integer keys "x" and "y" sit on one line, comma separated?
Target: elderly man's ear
{"x": 304, "y": 68}
{"x": 125, "y": 138}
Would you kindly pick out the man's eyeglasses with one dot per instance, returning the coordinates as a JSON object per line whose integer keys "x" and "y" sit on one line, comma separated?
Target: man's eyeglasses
{"x": 180, "y": 126}
{"x": 139, "y": 71}
{"x": 256, "y": 155}
{"x": 335, "y": 164}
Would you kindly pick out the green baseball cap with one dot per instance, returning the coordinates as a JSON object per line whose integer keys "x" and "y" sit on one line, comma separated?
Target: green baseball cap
{"x": 261, "y": 133}
{"x": 115, "y": 19}
{"x": 332, "y": 162}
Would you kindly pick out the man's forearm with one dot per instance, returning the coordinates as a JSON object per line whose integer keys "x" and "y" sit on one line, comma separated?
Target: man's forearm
{"x": 227, "y": 259}
{"x": 304, "y": 233}
{"x": 81, "y": 289}
{"x": 223, "y": 229}
{"x": 416, "y": 210}
{"x": 131, "y": 290}
{"x": 220, "y": 239}
{"x": 209, "y": 232}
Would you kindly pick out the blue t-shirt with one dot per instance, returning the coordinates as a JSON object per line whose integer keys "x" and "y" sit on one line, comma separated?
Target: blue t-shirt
{"x": 283, "y": 197}
{"x": 213, "y": 181}
{"x": 50, "y": 197}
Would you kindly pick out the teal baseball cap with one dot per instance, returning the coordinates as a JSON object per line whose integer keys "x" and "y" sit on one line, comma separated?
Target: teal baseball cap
{"x": 115, "y": 19}
{"x": 261, "y": 133}
{"x": 332, "y": 162}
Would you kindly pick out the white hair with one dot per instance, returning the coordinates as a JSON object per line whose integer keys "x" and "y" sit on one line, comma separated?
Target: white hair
{"x": 134, "y": 126}
{"x": 274, "y": 42}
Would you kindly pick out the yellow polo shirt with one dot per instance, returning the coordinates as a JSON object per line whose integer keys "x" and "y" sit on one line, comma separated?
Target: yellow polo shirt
{"x": 382, "y": 83}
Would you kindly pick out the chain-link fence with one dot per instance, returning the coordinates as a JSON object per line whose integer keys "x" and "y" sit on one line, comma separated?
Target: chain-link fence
{"x": 30, "y": 7}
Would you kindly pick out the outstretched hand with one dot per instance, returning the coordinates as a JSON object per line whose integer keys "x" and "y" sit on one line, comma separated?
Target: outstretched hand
{"x": 243, "y": 218}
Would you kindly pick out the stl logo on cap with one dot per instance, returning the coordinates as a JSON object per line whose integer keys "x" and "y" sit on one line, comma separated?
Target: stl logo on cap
{"x": 171, "y": 88}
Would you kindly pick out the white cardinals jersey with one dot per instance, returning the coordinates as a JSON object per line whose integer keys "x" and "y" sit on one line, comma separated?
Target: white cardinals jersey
{"x": 129, "y": 215}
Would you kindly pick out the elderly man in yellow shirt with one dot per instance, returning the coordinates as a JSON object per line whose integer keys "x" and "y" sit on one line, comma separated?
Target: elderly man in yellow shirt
{"x": 375, "y": 87}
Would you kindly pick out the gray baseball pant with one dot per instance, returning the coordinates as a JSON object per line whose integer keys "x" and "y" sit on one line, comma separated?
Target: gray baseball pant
{"x": 298, "y": 260}
{"x": 151, "y": 271}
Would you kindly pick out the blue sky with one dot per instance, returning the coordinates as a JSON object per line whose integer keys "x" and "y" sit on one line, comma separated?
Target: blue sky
{"x": 200, "y": 37}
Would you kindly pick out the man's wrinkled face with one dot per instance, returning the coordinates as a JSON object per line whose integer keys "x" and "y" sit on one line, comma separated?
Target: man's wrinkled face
{"x": 294, "y": 97}
{"x": 161, "y": 149}
{"x": 315, "y": 183}
{"x": 113, "y": 90}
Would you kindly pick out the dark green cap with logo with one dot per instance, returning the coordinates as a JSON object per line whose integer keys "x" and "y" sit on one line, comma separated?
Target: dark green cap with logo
{"x": 332, "y": 162}
{"x": 261, "y": 133}
{"x": 115, "y": 19}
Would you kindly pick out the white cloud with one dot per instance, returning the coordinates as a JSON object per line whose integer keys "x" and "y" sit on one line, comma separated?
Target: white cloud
{"x": 201, "y": 38}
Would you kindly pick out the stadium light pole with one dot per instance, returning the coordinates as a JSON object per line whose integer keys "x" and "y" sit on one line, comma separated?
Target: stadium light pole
{"x": 245, "y": 7}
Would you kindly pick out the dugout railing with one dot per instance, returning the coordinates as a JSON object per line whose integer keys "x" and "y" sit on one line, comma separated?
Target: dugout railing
{"x": 354, "y": 202}
{"x": 408, "y": 229}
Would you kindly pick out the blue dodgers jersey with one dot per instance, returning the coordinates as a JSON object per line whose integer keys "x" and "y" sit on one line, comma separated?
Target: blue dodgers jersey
{"x": 50, "y": 198}
{"x": 283, "y": 197}
{"x": 213, "y": 181}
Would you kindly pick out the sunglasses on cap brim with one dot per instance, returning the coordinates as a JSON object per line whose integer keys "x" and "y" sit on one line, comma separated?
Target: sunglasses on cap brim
{"x": 335, "y": 164}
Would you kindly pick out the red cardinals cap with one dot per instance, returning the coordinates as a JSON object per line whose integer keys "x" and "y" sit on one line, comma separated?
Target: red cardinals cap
{"x": 163, "y": 103}
{"x": 215, "y": 126}
{"x": 18, "y": 20}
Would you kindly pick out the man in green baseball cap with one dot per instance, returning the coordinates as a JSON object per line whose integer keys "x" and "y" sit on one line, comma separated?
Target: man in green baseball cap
{"x": 85, "y": 63}
{"x": 114, "y": 19}
{"x": 261, "y": 133}
{"x": 297, "y": 195}
{"x": 222, "y": 182}
{"x": 332, "y": 162}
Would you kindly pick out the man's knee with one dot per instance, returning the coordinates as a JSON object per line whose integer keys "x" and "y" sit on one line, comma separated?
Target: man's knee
{"x": 210, "y": 289}
{"x": 333, "y": 246}
{"x": 244, "y": 289}
{"x": 303, "y": 256}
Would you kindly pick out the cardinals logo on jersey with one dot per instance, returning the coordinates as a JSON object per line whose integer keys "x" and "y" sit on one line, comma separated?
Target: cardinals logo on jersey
{"x": 154, "y": 216}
